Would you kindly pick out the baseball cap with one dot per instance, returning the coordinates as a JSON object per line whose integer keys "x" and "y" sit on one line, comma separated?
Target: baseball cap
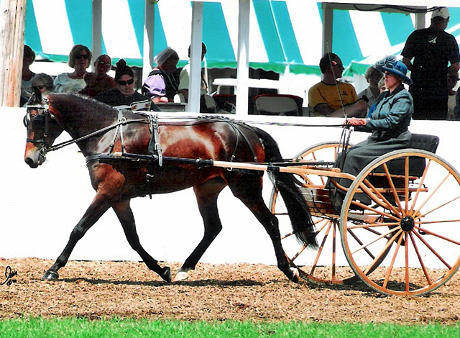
{"x": 443, "y": 12}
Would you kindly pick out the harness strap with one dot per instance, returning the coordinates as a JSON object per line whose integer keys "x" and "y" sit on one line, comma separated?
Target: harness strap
{"x": 154, "y": 147}
{"x": 97, "y": 132}
{"x": 122, "y": 121}
{"x": 238, "y": 131}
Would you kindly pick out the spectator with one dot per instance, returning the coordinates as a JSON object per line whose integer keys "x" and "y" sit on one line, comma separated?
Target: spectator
{"x": 27, "y": 75}
{"x": 99, "y": 81}
{"x": 124, "y": 94}
{"x": 381, "y": 85}
{"x": 452, "y": 79}
{"x": 431, "y": 50}
{"x": 389, "y": 125}
{"x": 331, "y": 97}
{"x": 163, "y": 81}
{"x": 79, "y": 60}
{"x": 207, "y": 103}
{"x": 457, "y": 106}
{"x": 43, "y": 82}
{"x": 373, "y": 76}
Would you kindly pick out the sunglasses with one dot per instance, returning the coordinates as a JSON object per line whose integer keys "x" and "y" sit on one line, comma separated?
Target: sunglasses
{"x": 127, "y": 82}
{"x": 82, "y": 56}
{"x": 103, "y": 63}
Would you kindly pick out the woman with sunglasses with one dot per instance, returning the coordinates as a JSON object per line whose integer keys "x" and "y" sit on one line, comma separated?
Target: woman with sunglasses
{"x": 79, "y": 60}
{"x": 99, "y": 81}
{"x": 124, "y": 94}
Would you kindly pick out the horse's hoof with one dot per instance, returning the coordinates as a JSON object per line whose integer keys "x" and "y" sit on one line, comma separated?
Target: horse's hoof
{"x": 295, "y": 275}
{"x": 166, "y": 274}
{"x": 180, "y": 276}
{"x": 50, "y": 275}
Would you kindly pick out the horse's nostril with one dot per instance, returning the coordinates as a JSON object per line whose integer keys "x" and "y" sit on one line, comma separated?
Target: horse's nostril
{"x": 31, "y": 162}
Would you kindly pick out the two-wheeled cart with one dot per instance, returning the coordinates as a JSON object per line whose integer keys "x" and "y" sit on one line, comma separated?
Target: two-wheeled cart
{"x": 398, "y": 225}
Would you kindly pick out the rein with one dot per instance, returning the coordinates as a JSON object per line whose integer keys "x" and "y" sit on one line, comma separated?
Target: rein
{"x": 97, "y": 132}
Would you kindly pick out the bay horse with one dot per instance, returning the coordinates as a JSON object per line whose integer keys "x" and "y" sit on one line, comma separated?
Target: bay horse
{"x": 99, "y": 129}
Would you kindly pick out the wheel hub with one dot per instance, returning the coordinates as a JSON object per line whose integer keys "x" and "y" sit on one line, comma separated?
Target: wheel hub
{"x": 407, "y": 223}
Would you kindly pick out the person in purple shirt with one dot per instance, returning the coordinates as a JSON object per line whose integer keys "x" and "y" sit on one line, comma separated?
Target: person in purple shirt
{"x": 162, "y": 83}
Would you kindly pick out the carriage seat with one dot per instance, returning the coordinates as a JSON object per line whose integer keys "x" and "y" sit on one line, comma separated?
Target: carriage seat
{"x": 416, "y": 165}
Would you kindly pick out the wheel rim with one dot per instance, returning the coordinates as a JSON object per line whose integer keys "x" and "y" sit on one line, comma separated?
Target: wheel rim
{"x": 328, "y": 264}
{"x": 411, "y": 226}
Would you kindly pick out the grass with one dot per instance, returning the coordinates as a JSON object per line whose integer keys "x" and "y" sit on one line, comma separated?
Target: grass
{"x": 80, "y": 327}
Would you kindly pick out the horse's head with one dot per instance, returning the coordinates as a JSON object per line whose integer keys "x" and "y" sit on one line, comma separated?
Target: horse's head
{"x": 42, "y": 130}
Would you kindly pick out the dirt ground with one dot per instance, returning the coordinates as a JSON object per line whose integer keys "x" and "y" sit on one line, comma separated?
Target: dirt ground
{"x": 98, "y": 289}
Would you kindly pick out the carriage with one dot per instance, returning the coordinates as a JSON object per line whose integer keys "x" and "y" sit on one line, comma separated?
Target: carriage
{"x": 398, "y": 244}
{"x": 393, "y": 231}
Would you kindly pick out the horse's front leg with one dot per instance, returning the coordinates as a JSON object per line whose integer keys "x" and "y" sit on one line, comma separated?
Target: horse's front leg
{"x": 206, "y": 195}
{"x": 96, "y": 209}
{"x": 126, "y": 217}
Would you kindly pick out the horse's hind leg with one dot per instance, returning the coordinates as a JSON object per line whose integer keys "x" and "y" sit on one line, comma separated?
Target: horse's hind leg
{"x": 206, "y": 195}
{"x": 97, "y": 208}
{"x": 249, "y": 190}
{"x": 126, "y": 217}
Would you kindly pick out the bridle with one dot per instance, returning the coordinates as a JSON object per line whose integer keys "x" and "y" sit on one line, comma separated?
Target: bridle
{"x": 45, "y": 117}
{"x": 40, "y": 123}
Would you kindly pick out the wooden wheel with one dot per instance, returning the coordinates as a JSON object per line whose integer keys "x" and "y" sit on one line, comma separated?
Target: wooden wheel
{"x": 404, "y": 209}
{"x": 328, "y": 264}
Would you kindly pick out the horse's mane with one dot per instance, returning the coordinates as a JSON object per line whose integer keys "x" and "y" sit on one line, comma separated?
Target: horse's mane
{"x": 66, "y": 102}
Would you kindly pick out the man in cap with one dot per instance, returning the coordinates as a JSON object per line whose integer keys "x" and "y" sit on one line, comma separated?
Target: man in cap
{"x": 163, "y": 81}
{"x": 427, "y": 55}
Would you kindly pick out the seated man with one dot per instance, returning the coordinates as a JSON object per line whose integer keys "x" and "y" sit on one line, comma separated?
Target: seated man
{"x": 331, "y": 97}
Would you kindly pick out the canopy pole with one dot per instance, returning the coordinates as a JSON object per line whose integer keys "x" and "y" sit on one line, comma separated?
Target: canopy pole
{"x": 96, "y": 45}
{"x": 12, "y": 21}
{"x": 147, "y": 54}
{"x": 242, "y": 74}
{"x": 419, "y": 20}
{"x": 194, "y": 86}
{"x": 328, "y": 19}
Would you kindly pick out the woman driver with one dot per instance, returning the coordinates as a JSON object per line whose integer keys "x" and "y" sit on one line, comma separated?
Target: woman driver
{"x": 388, "y": 123}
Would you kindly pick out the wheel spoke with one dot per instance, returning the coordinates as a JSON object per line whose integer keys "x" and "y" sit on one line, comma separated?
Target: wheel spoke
{"x": 439, "y": 206}
{"x": 371, "y": 225}
{"x": 374, "y": 240}
{"x": 386, "y": 204}
{"x": 406, "y": 255}
{"x": 390, "y": 267}
{"x": 420, "y": 185}
{"x": 299, "y": 252}
{"x": 392, "y": 185}
{"x": 406, "y": 184}
{"x": 383, "y": 252}
{"x": 320, "y": 249}
{"x": 432, "y": 193}
{"x": 436, "y": 235}
{"x": 334, "y": 237}
{"x": 375, "y": 211}
{"x": 287, "y": 235}
{"x": 420, "y": 259}
{"x": 360, "y": 243}
{"x": 432, "y": 250}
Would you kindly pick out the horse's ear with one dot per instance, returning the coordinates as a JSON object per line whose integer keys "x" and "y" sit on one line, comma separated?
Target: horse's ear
{"x": 36, "y": 96}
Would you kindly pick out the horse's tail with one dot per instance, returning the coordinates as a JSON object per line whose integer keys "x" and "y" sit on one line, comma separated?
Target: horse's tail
{"x": 297, "y": 209}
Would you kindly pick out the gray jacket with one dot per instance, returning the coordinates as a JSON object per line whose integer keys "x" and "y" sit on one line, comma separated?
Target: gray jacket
{"x": 391, "y": 116}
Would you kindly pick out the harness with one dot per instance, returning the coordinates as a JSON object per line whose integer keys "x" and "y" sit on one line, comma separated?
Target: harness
{"x": 155, "y": 153}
